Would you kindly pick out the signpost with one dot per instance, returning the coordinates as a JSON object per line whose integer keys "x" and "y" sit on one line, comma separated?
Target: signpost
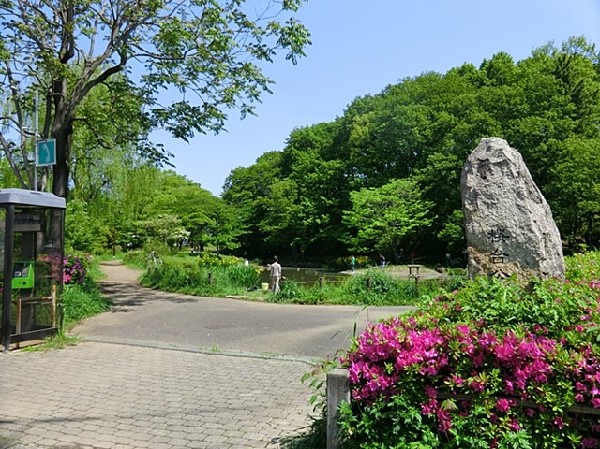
{"x": 45, "y": 152}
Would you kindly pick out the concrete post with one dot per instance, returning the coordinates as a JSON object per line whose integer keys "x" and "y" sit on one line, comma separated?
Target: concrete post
{"x": 338, "y": 390}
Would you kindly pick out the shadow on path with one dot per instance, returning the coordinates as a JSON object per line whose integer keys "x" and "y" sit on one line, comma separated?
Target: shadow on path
{"x": 143, "y": 315}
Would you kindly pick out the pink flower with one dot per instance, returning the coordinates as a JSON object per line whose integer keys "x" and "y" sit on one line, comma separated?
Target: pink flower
{"x": 430, "y": 407}
{"x": 444, "y": 420}
{"x": 430, "y": 391}
{"x": 503, "y": 405}
{"x": 590, "y": 443}
{"x": 509, "y": 387}
{"x": 558, "y": 422}
{"x": 455, "y": 379}
{"x": 477, "y": 386}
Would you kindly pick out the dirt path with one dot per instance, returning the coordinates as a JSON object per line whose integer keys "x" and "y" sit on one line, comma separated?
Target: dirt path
{"x": 116, "y": 272}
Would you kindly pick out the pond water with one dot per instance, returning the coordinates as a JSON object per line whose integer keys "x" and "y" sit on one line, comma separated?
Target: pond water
{"x": 305, "y": 275}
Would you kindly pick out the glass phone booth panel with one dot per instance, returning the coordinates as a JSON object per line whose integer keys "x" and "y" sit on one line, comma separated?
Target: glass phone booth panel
{"x": 31, "y": 235}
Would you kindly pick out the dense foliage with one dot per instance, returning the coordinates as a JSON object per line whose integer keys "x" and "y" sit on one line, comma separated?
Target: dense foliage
{"x": 210, "y": 275}
{"x": 492, "y": 365}
{"x": 319, "y": 197}
{"x": 204, "y": 275}
{"x": 367, "y": 288}
{"x": 175, "y": 65}
{"x": 81, "y": 296}
{"x": 148, "y": 207}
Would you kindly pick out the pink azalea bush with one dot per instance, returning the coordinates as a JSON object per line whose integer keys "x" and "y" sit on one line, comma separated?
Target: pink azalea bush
{"x": 492, "y": 366}
{"x": 73, "y": 267}
{"x": 74, "y": 270}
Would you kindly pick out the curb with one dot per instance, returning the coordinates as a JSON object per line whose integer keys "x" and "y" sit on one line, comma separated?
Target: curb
{"x": 200, "y": 350}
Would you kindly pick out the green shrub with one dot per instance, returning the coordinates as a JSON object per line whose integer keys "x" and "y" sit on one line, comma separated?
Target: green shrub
{"x": 290, "y": 292}
{"x": 209, "y": 275}
{"x": 371, "y": 288}
{"x": 492, "y": 365}
{"x": 81, "y": 297}
{"x": 246, "y": 277}
{"x": 138, "y": 259}
{"x": 213, "y": 260}
{"x": 81, "y": 301}
{"x": 582, "y": 267}
{"x": 201, "y": 276}
{"x": 377, "y": 288}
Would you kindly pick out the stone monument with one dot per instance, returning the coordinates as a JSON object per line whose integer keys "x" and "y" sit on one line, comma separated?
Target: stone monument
{"x": 508, "y": 223}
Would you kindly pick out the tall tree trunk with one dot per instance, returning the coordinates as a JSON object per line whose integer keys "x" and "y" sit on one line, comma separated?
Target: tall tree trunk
{"x": 60, "y": 178}
{"x": 62, "y": 131}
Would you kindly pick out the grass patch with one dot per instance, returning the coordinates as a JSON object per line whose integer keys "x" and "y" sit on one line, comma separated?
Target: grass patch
{"x": 58, "y": 341}
{"x": 82, "y": 301}
{"x": 208, "y": 275}
{"x": 201, "y": 276}
{"x": 368, "y": 288}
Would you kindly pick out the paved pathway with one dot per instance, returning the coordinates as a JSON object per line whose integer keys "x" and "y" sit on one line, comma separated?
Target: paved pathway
{"x": 141, "y": 315}
{"x": 98, "y": 395}
{"x": 149, "y": 380}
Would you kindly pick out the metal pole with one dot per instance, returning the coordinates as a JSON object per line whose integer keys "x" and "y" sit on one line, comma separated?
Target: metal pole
{"x": 8, "y": 275}
{"x": 35, "y": 144}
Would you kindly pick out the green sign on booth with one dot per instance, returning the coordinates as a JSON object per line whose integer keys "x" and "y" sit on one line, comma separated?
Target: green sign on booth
{"x": 45, "y": 152}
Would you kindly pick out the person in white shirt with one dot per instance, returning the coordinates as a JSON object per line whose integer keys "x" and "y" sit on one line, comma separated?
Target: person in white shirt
{"x": 275, "y": 275}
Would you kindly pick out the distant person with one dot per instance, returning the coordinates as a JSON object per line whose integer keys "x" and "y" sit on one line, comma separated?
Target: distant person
{"x": 275, "y": 275}
{"x": 401, "y": 256}
{"x": 353, "y": 263}
{"x": 382, "y": 260}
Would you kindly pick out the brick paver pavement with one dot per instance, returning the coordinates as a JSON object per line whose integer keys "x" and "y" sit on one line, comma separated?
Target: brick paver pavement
{"x": 100, "y": 395}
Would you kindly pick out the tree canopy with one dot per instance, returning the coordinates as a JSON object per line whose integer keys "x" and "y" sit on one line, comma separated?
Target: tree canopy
{"x": 178, "y": 65}
{"x": 383, "y": 217}
{"x": 417, "y": 134}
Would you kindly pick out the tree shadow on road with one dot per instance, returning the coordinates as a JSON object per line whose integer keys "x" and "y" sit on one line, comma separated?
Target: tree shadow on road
{"x": 125, "y": 296}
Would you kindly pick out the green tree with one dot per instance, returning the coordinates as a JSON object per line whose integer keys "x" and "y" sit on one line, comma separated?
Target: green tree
{"x": 207, "y": 218}
{"x": 318, "y": 193}
{"x": 575, "y": 190}
{"x": 188, "y": 62}
{"x": 165, "y": 229}
{"x": 439, "y": 182}
{"x": 246, "y": 190}
{"x": 112, "y": 140}
{"x": 387, "y": 218}
{"x": 423, "y": 128}
{"x": 83, "y": 232}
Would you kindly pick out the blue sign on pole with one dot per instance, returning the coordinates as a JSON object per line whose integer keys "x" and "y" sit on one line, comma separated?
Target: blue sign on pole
{"x": 45, "y": 152}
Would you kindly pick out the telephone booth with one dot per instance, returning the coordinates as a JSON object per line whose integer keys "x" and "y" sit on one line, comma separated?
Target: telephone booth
{"x": 31, "y": 260}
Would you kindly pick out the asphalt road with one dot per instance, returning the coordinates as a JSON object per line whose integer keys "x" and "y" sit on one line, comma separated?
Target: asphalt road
{"x": 145, "y": 316}
{"x": 156, "y": 372}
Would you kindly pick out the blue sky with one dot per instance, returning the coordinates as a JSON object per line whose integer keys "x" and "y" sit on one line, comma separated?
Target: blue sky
{"x": 359, "y": 47}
